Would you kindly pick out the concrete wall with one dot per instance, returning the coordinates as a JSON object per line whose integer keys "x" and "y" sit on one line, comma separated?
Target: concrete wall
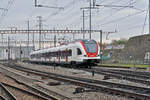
{"x": 136, "y": 48}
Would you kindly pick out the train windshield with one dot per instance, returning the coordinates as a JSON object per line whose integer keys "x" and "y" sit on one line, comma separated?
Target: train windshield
{"x": 90, "y": 45}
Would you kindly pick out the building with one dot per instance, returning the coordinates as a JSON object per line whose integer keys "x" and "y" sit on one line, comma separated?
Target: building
{"x": 14, "y": 52}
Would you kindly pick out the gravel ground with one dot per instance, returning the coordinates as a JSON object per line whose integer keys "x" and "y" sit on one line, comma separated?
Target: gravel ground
{"x": 64, "y": 71}
{"x": 78, "y": 73}
{"x": 69, "y": 89}
{"x": 19, "y": 95}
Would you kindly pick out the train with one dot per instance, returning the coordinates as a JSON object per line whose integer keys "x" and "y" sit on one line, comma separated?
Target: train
{"x": 79, "y": 52}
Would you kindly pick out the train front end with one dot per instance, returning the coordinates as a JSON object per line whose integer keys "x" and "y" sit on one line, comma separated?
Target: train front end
{"x": 92, "y": 51}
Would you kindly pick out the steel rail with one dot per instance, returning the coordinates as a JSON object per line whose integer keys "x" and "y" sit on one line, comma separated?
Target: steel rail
{"x": 118, "y": 76}
{"x": 28, "y": 92}
{"x": 44, "y": 93}
{"x": 124, "y": 73}
{"x": 123, "y": 67}
{"x": 2, "y": 98}
{"x": 6, "y": 93}
{"x": 52, "y": 95}
{"x": 144, "y": 73}
{"x": 84, "y": 83}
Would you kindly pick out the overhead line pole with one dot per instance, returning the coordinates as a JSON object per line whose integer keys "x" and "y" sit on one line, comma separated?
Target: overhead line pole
{"x": 83, "y": 24}
{"x": 90, "y": 16}
{"x": 40, "y": 29}
{"x": 149, "y": 29}
{"x": 39, "y": 5}
{"x": 8, "y": 49}
{"x": 101, "y": 45}
{"x": 149, "y": 16}
{"x": 90, "y": 19}
{"x": 28, "y": 25}
{"x": 2, "y": 46}
{"x": 33, "y": 41}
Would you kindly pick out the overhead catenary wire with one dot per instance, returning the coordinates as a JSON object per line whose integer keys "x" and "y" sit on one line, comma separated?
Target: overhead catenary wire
{"x": 99, "y": 18}
{"x": 117, "y": 11}
{"x": 122, "y": 18}
{"x": 143, "y": 28}
{"x": 59, "y": 11}
{"x": 2, "y": 16}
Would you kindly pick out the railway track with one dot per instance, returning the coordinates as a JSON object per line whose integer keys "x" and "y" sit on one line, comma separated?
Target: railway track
{"x": 122, "y": 67}
{"x": 36, "y": 91}
{"x": 138, "y": 93}
{"x": 135, "y": 72}
{"x": 122, "y": 75}
{"x": 125, "y": 73}
{"x": 5, "y": 94}
{"x": 25, "y": 92}
{"x": 2, "y": 98}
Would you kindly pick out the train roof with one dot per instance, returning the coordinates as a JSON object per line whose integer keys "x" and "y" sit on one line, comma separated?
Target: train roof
{"x": 61, "y": 47}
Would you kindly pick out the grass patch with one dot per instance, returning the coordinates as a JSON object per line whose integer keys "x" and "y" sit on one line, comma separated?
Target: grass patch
{"x": 124, "y": 65}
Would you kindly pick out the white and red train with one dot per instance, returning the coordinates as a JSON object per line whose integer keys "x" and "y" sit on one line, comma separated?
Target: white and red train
{"x": 78, "y": 52}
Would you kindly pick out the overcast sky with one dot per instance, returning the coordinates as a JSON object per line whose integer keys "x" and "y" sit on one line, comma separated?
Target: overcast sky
{"x": 127, "y": 21}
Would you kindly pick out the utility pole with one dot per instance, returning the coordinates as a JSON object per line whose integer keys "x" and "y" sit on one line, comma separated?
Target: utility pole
{"x": 90, "y": 16}
{"x": 83, "y": 24}
{"x": 101, "y": 40}
{"x": 149, "y": 16}
{"x": 28, "y": 26}
{"x": 33, "y": 41}
{"x": 55, "y": 41}
{"x": 8, "y": 49}
{"x": 2, "y": 46}
{"x": 149, "y": 28}
{"x": 40, "y": 29}
{"x": 90, "y": 19}
{"x": 73, "y": 36}
{"x": 20, "y": 52}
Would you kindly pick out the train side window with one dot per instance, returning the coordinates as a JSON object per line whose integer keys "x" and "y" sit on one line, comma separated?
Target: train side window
{"x": 79, "y": 51}
{"x": 70, "y": 52}
{"x": 63, "y": 54}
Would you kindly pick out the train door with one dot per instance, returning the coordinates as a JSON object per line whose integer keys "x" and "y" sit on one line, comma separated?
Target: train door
{"x": 74, "y": 53}
{"x": 79, "y": 54}
{"x": 66, "y": 55}
{"x": 59, "y": 54}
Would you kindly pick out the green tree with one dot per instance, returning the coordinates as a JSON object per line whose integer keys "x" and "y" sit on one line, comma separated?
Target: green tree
{"x": 119, "y": 42}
